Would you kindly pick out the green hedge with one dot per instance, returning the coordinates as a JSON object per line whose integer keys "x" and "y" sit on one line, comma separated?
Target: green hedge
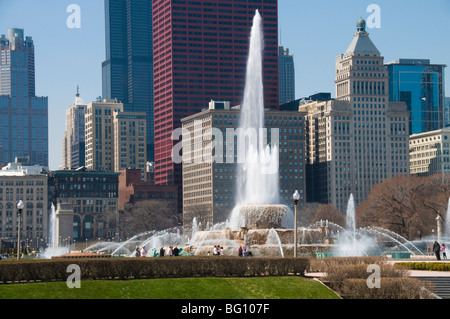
{"x": 432, "y": 266}
{"x": 134, "y": 268}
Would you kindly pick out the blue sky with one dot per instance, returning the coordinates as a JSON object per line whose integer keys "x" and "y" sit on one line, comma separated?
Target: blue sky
{"x": 314, "y": 31}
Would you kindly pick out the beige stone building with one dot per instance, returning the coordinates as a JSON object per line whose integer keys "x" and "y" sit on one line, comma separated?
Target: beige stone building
{"x": 29, "y": 184}
{"x": 73, "y": 141}
{"x": 99, "y": 134}
{"x": 429, "y": 152}
{"x": 209, "y": 191}
{"x": 130, "y": 147}
{"x": 360, "y": 138}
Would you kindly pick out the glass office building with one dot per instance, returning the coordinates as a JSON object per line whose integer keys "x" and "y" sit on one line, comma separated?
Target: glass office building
{"x": 127, "y": 72}
{"x": 23, "y": 116}
{"x": 420, "y": 85}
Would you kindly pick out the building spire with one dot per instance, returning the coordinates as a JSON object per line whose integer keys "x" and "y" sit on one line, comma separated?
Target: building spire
{"x": 78, "y": 91}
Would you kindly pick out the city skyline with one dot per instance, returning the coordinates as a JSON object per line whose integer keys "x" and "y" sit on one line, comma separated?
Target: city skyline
{"x": 314, "y": 32}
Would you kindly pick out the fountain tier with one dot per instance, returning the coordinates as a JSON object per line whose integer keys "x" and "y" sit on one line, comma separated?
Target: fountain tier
{"x": 261, "y": 216}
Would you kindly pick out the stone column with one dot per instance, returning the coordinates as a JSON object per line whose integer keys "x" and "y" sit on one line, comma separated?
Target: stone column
{"x": 64, "y": 221}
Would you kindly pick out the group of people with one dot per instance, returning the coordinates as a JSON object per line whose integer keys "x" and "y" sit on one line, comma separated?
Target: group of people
{"x": 437, "y": 250}
{"x": 217, "y": 250}
{"x": 171, "y": 251}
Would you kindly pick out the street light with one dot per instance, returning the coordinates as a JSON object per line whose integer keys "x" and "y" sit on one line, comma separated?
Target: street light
{"x": 296, "y": 197}
{"x": 19, "y": 215}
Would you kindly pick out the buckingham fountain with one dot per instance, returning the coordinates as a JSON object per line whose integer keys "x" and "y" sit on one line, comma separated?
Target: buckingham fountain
{"x": 259, "y": 221}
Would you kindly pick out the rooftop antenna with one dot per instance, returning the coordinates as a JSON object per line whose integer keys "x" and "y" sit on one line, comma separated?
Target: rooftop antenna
{"x": 78, "y": 91}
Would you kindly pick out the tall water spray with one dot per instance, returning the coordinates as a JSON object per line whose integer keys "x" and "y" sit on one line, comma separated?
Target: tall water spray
{"x": 351, "y": 217}
{"x": 53, "y": 248}
{"x": 258, "y": 175}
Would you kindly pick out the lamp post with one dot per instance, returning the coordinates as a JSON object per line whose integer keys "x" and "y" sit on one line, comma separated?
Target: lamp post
{"x": 19, "y": 215}
{"x": 296, "y": 197}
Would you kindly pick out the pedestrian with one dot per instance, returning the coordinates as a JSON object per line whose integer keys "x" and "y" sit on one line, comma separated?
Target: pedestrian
{"x": 244, "y": 251}
{"x": 161, "y": 252}
{"x": 240, "y": 251}
{"x": 444, "y": 254}
{"x": 175, "y": 251}
{"x": 215, "y": 251}
{"x": 137, "y": 253}
{"x": 437, "y": 250}
{"x": 170, "y": 252}
{"x": 143, "y": 252}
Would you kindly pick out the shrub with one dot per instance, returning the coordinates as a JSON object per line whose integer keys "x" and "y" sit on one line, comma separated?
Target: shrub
{"x": 338, "y": 274}
{"x": 129, "y": 268}
{"x": 390, "y": 288}
{"x": 434, "y": 266}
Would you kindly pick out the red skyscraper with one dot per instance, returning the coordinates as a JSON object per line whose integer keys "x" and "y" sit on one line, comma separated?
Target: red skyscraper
{"x": 200, "y": 53}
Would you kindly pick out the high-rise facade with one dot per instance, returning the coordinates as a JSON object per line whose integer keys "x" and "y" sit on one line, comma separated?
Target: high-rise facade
{"x": 130, "y": 147}
{"x": 73, "y": 140}
{"x": 93, "y": 196}
{"x": 128, "y": 68}
{"x": 99, "y": 134}
{"x": 23, "y": 116}
{"x": 447, "y": 112}
{"x": 360, "y": 138}
{"x": 430, "y": 152}
{"x": 209, "y": 186}
{"x": 420, "y": 85}
{"x": 200, "y": 54}
{"x": 286, "y": 74}
{"x": 30, "y": 185}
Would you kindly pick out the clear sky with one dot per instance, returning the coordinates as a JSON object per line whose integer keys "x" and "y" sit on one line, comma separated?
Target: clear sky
{"x": 314, "y": 31}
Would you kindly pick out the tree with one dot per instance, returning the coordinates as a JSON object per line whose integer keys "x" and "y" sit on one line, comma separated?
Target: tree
{"x": 329, "y": 212}
{"x": 145, "y": 216}
{"x": 306, "y": 213}
{"x": 406, "y": 204}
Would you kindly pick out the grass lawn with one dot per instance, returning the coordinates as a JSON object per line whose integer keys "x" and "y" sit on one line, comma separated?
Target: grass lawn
{"x": 180, "y": 288}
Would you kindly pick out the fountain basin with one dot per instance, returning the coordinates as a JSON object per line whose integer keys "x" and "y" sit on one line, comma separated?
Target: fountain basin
{"x": 261, "y": 216}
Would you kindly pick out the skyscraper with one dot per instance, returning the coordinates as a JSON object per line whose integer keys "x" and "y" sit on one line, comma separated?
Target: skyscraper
{"x": 99, "y": 134}
{"x": 23, "y": 116}
{"x": 128, "y": 68}
{"x": 73, "y": 141}
{"x": 360, "y": 138}
{"x": 420, "y": 85}
{"x": 286, "y": 73}
{"x": 200, "y": 54}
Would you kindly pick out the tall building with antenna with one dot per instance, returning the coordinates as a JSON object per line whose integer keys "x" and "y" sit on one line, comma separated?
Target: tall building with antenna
{"x": 286, "y": 75}
{"x": 23, "y": 115}
{"x": 73, "y": 140}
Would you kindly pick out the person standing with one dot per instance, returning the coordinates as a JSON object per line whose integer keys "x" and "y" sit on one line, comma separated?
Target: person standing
{"x": 437, "y": 250}
{"x": 444, "y": 254}
{"x": 161, "y": 252}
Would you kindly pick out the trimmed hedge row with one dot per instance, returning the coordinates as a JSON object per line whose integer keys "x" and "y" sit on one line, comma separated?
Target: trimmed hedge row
{"x": 390, "y": 288}
{"x": 135, "y": 268}
{"x": 349, "y": 278}
{"x": 432, "y": 266}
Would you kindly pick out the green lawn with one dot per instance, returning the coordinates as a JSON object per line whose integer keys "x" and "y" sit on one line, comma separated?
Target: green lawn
{"x": 185, "y": 288}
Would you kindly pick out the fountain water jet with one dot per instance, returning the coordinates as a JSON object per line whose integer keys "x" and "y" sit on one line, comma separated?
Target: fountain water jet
{"x": 53, "y": 248}
{"x": 257, "y": 179}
